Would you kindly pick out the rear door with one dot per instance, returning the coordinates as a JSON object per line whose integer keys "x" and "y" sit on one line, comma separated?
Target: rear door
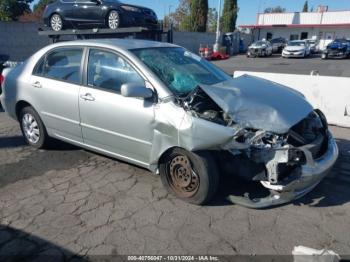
{"x": 55, "y": 85}
{"x": 67, "y": 9}
{"x": 89, "y": 12}
{"x": 116, "y": 124}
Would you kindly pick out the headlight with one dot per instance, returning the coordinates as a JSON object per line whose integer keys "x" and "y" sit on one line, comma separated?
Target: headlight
{"x": 131, "y": 8}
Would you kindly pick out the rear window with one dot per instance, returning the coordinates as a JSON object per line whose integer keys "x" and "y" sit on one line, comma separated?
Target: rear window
{"x": 62, "y": 64}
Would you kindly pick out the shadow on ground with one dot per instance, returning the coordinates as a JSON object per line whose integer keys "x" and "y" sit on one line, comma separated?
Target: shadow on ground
{"x": 11, "y": 142}
{"x": 17, "y": 245}
{"x": 59, "y": 156}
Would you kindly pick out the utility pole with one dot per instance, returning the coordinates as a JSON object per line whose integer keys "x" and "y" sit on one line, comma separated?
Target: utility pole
{"x": 217, "y": 44}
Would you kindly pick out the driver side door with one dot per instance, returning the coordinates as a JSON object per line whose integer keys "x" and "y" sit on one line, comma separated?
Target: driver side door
{"x": 117, "y": 125}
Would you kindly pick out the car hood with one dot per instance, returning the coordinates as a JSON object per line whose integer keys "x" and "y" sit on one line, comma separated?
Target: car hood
{"x": 138, "y": 6}
{"x": 295, "y": 48}
{"x": 257, "y": 103}
{"x": 257, "y": 46}
{"x": 336, "y": 46}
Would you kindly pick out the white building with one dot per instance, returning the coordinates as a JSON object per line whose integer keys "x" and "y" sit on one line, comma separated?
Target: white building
{"x": 322, "y": 25}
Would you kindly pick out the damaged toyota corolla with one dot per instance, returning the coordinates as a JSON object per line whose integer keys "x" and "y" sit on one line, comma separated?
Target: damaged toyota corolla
{"x": 161, "y": 107}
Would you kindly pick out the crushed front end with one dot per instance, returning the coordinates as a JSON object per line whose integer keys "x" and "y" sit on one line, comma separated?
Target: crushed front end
{"x": 282, "y": 143}
{"x": 291, "y": 164}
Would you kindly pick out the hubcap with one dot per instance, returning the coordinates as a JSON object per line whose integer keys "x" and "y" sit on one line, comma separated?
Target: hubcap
{"x": 56, "y": 23}
{"x": 182, "y": 178}
{"x": 113, "y": 20}
{"x": 30, "y": 128}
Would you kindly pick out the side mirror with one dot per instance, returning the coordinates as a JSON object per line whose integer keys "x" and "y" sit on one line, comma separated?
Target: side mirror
{"x": 136, "y": 90}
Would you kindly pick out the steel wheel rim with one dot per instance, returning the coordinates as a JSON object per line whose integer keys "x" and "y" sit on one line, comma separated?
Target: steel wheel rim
{"x": 181, "y": 177}
{"x": 56, "y": 23}
{"x": 30, "y": 128}
{"x": 113, "y": 20}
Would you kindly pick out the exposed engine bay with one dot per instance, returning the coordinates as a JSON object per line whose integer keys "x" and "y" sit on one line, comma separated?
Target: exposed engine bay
{"x": 274, "y": 159}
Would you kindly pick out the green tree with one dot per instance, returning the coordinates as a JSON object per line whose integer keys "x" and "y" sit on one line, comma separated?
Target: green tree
{"x": 306, "y": 7}
{"x": 181, "y": 17}
{"x": 12, "y": 9}
{"x": 212, "y": 20}
{"x": 229, "y": 16}
{"x": 199, "y": 15}
{"x": 40, "y": 6}
{"x": 277, "y": 9}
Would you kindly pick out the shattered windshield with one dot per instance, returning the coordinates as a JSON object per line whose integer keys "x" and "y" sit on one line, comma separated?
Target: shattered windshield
{"x": 180, "y": 70}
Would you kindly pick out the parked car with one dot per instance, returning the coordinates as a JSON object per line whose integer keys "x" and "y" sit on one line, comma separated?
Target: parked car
{"x": 339, "y": 48}
{"x": 259, "y": 48}
{"x": 313, "y": 43}
{"x": 60, "y": 14}
{"x": 161, "y": 107}
{"x": 278, "y": 44}
{"x": 296, "y": 48}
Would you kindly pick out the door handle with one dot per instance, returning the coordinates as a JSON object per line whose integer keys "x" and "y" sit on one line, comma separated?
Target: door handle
{"x": 37, "y": 84}
{"x": 87, "y": 97}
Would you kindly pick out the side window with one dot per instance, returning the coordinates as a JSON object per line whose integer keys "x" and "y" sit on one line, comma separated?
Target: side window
{"x": 62, "y": 64}
{"x": 110, "y": 71}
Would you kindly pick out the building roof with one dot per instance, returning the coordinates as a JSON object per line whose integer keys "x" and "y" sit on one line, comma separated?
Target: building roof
{"x": 335, "y": 19}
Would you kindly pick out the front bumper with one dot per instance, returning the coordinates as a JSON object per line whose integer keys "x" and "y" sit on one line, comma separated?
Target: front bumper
{"x": 311, "y": 175}
{"x": 139, "y": 19}
{"x": 292, "y": 54}
{"x": 253, "y": 52}
{"x": 334, "y": 54}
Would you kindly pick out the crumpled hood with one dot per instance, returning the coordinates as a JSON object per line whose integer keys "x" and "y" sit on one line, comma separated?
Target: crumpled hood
{"x": 257, "y": 103}
{"x": 295, "y": 48}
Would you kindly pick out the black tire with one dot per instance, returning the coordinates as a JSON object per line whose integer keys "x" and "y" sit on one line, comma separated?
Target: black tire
{"x": 110, "y": 25}
{"x": 43, "y": 136}
{"x": 55, "y": 19}
{"x": 204, "y": 167}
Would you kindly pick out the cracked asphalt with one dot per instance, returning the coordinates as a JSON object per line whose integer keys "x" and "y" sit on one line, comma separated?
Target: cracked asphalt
{"x": 68, "y": 202}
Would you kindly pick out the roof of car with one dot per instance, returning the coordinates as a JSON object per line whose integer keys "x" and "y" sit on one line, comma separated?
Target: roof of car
{"x": 126, "y": 44}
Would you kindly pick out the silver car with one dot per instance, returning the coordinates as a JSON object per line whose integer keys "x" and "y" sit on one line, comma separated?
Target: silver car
{"x": 161, "y": 107}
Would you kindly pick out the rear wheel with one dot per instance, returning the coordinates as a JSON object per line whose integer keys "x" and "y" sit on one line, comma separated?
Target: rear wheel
{"x": 56, "y": 22}
{"x": 324, "y": 56}
{"x": 32, "y": 127}
{"x": 192, "y": 177}
{"x": 113, "y": 20}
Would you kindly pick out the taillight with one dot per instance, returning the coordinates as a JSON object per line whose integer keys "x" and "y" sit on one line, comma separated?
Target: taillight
{"x": 2, "y": 79}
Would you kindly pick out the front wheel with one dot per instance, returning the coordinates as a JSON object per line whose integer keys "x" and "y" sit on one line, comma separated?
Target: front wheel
{"x": 192, "y": 177}
{"x": 113, "y": 20}
{"x": 32, "y": 128}
{"x": 56, "y": 23}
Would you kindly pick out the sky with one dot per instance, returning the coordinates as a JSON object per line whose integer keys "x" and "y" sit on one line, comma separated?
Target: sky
{"x": 247, "y": 8}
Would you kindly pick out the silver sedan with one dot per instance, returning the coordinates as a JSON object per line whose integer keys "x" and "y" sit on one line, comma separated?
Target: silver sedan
{"x": 161, "y": 107}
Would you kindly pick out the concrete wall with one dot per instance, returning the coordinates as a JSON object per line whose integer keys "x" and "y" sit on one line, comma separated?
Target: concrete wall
{"x": 192, "y": 40}
{"x": 329, "y": 94}
{"x": 19, "y": 40}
